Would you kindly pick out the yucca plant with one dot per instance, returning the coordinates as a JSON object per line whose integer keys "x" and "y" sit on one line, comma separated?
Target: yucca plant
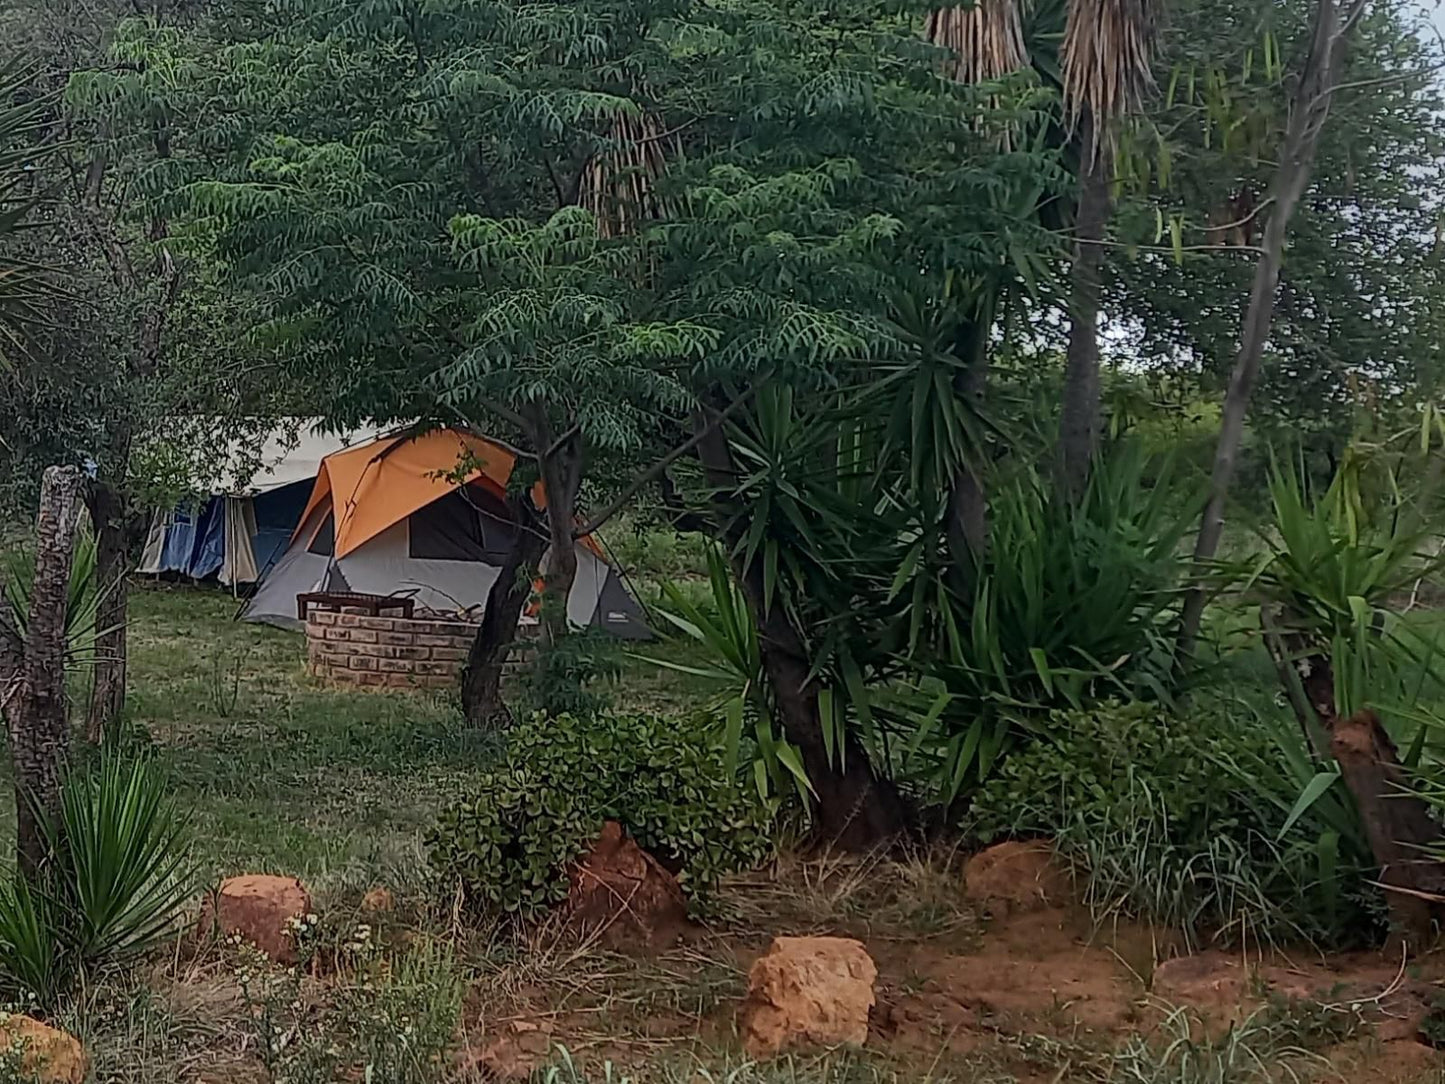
{"x": 742, "y": 703}
{"x": 1352, "y": 670}
{"x": 1069, "y": 606}
{"x": 118, "y": 876}
{"x": 1332, "y": 566}
{"x": 82, "y": 610}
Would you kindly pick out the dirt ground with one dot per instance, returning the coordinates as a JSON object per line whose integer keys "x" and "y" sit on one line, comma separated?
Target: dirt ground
{"x": 965, "y": 992}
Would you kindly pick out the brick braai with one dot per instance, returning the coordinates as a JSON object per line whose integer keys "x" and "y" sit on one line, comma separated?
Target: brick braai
{"x": 387, "y": 652}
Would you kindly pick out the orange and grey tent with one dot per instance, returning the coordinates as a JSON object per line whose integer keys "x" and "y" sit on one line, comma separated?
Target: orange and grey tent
{"x": 423, "y": 516}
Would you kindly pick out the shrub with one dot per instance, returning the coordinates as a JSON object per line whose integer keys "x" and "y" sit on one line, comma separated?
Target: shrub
{"x": 568, "y": 677}
{"x": 509, "y": 843}
{"x": 1187, "y": 820}
{"x": 118, "y": 876}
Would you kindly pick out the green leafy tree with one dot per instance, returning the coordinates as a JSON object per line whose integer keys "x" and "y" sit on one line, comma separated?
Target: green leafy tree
{"x": 23, "y": 286}
{"x": 112, "y": 371}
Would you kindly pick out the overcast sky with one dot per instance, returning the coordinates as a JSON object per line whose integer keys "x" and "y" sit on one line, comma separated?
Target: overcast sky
{"x": 1437, "y": 12}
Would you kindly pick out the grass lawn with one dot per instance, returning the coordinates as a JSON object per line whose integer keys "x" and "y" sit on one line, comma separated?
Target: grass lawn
{"x": 286, "y": 775}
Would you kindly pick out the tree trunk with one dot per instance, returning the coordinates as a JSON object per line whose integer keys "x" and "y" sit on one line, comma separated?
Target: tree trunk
{"x": 36, "y": 717}
{"x": 559, "y": 461}
{"x": 109, "y": 516}
{"x": 1309, "y": 109}
{"x": 855, "y": 810}
{"x": 1079, "y": 421}
{"x": 482, "y": 679}
{"x": 1398, "y": 825}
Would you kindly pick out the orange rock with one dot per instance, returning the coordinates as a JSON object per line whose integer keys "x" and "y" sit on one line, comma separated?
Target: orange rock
{"x": 808, "y": 991}
{"x": 49, "y": 1055}
{"x": 260, "y": 908}
{"x": 623, "y": 894}
{"x": 1016, "y": 876}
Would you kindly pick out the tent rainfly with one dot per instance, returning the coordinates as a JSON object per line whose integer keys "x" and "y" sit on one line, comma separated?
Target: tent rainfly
{"x": 392, "y": 518}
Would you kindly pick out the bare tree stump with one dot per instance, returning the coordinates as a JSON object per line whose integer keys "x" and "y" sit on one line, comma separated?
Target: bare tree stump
{"x": 1397, "y": 823}
{"x": 36, "y": 710}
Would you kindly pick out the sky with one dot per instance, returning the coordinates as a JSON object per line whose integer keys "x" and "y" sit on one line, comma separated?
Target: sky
{"x": 1437, "y": 13}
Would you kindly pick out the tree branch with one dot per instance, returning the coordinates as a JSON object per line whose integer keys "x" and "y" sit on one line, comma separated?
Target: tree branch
{"x": 656, "y": 470}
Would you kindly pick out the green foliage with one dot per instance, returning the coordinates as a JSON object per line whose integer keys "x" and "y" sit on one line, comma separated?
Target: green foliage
{"x": 1333, "y": 565}
{"x": 509, "y": 842}
{"x": 1186, "y": 819}
{"x": 83, "y": 598}
{"x": 1260, "y": 1048}
{"x": 24, "y": 132}
{"x": 1068, "y": 606}
{"x": 388, "y": 1019}
{"x": 1358, "y": 326}
{"x": 117, "y": 880}
{"x": 562, "y": 677}
{"x": 743, "y": 703}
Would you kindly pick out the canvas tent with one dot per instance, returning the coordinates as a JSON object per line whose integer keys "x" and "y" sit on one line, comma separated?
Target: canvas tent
{"x": 390, "y": 517}
{"x": 253, "y": 507}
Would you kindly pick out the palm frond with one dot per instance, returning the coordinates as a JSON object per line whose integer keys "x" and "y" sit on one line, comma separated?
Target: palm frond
{"x": 986, "y": 40}
{"x": 1107, "y": 52}
{"x": 619, "y": 185}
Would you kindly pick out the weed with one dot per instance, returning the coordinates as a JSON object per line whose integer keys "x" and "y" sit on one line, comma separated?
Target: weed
{"x": 1261, "y": 1048}
{"x": 224, "y": 691}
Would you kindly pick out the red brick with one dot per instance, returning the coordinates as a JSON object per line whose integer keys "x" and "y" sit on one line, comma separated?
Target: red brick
{"x": 394, "y": 666}
{"x": 440, "y": 668}
{"x": 350, "y": 621}
{"x": 381, "y": 624}
{"x": 416, "y": 654}
{"x": 431, "y": 639}
{"x": 337, "y": 634}
{"x": 321, "y": 617}
{"x": 397, "y": 681}
{"x": 449, "y": 654}
{"x": 447, "y": 628}
{"x": 402, "y": 639}
{"x": 364, "y": 636}
{"x": 362, "y": 662}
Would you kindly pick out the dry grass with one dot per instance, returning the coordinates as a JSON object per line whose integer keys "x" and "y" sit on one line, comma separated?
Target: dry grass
{"x": 879, "y": 896}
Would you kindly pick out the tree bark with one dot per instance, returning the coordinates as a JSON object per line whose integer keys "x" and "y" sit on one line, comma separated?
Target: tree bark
{"x": 1079, "y": 420}
{"x": 1309, "y": 109}
{"x": 855, "y": 810}
{"x": 36, "y": 714}
{"x": 482, "y": 703}
{"x": 1397, "y": 823}
{"x": 1398, "y": 826}
{"x": 110, "y": 518}
{"x": 559, "y": 462}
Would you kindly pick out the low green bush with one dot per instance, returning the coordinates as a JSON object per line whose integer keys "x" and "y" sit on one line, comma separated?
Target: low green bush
{"x": 509, "y": 842}
{"x": 1185, "y": 820}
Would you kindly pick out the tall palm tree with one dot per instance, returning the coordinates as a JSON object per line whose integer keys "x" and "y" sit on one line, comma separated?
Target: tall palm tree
{"x": 23, "y": 287}
{"x": 1103, "y": 70}
{"x": 1108, "y": 47}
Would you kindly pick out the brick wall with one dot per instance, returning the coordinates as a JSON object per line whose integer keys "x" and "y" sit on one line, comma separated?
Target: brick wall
{"x": 387, "y": 652}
